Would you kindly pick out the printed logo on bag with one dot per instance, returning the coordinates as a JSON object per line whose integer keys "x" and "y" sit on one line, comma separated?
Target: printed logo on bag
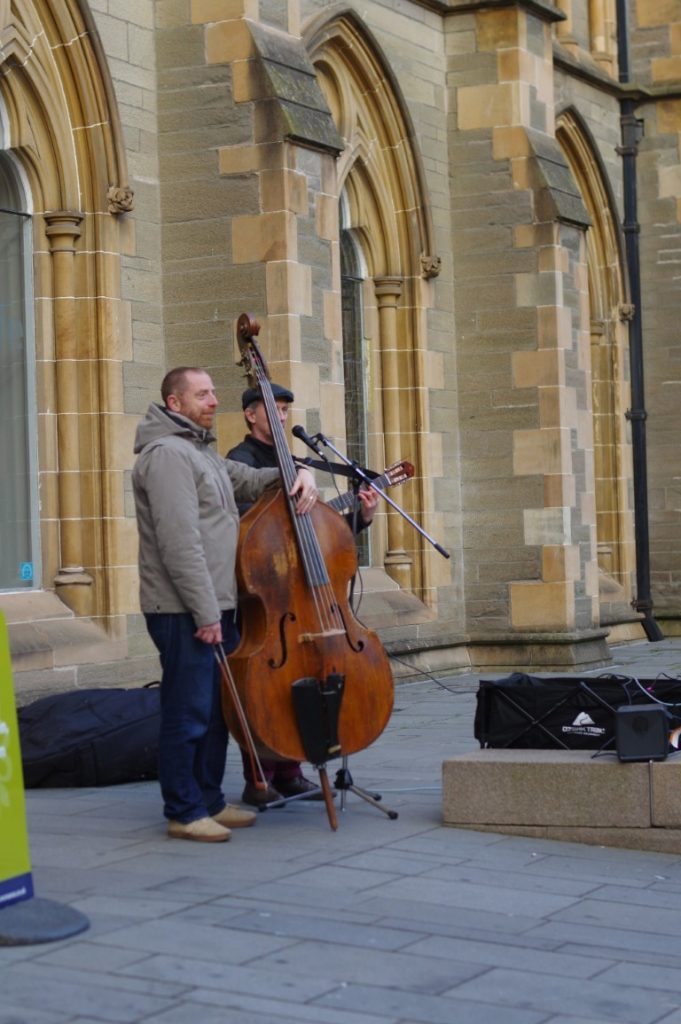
{"x": 584, "y": 725}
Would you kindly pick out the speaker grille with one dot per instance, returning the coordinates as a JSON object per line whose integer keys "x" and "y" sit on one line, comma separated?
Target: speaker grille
{"x": 642, "y": 733}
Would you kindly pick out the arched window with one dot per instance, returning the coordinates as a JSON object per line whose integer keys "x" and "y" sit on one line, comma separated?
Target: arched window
{"x": 386, "y": 239}
{"x": 19, "y": 524}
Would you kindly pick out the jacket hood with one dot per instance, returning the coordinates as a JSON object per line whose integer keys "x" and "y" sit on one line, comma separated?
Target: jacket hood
{"x": 161, "y": 422}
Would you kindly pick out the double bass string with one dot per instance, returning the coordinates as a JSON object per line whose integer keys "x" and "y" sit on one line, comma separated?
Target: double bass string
{"x": 315, "y": 569}
{"x": 308, "y": 544}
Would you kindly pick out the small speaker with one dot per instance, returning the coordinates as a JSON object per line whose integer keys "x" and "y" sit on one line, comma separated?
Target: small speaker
{"x": 642, "y": 732}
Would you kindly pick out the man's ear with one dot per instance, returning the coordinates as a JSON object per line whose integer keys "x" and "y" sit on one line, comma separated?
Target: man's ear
{"x": 172, "y": 403}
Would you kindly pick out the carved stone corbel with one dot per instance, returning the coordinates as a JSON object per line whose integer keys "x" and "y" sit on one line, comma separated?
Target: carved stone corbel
{"x": 430, "y": 266}
{"x": 120, "y": 199}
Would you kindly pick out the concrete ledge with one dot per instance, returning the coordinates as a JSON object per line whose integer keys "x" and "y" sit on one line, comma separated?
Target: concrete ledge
{"x": 567, "y": 795}
{"x": 546, "y": 652}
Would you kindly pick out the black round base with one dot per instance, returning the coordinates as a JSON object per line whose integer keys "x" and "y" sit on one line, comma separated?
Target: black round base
{"x": 38, "y": 920}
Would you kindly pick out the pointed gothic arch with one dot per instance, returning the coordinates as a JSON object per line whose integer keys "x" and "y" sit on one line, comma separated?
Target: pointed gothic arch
{"x": 61, "y": 130}
{"x": 610, "y": 370}
{"x": 381, "y": 186}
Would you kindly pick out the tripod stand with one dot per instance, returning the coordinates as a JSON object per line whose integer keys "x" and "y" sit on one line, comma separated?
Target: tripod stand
{"x": 344, "y": 783}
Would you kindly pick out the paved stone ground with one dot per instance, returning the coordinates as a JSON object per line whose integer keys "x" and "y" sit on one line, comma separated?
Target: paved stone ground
{"x": 381, "y": 922}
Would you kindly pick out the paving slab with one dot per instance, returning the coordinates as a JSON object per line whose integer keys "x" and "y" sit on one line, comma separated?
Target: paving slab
{"x": 381, "y": 922}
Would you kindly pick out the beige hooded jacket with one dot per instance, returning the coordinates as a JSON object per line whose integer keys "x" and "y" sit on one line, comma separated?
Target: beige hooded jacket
{"x": 185, "y": 500}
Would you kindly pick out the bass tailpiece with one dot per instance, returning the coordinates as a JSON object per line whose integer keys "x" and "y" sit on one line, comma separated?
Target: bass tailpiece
{"x": 316, "y": 704}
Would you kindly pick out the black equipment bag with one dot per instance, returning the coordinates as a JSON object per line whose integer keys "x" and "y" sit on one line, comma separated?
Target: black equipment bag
{"x": 563, "y": 712}
{"x": 91, "y": 737}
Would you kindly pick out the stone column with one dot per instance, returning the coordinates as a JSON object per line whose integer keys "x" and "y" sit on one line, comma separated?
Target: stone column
{"x": 398, "y": 563}
{"x": 564, "y": 31}
{"x": 601, "y": 30}
{"x": 63, "y": 230}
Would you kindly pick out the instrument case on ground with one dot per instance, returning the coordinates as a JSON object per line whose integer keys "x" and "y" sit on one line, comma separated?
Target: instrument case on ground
{"x": 96, "y": 737}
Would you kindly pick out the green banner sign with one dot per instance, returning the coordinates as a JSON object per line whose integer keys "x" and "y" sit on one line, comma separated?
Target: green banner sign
{"x": 16, "y": 882}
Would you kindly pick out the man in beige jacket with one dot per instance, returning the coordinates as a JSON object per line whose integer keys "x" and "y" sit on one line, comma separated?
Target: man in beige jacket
{"x": 186, "y": 504}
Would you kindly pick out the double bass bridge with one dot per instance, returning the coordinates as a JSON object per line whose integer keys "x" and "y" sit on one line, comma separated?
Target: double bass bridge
{"x": 311, "y": 638}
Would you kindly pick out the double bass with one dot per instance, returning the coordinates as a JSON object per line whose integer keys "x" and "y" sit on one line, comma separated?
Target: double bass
{"x": 312, "y": 681}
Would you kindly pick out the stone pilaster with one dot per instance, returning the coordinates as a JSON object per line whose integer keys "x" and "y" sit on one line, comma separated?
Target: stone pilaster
{"x": 602, "y": 30}
{"x": 63, "y": 230}
{"x": 285, "y": 237}
{"x": 522, "y": 311}
{"x": 659, "y": 220}
{"x": 397, "y": 561}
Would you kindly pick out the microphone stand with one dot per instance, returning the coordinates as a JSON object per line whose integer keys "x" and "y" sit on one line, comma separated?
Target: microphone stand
{"x": 344, "y": 780}
{"x": 363, "y": 476}
{"x": 334, "y": 468}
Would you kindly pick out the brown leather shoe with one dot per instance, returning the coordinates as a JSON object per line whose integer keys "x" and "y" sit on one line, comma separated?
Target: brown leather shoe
{"x": 259, "y": 797}
{"x": 203, "y": 830}
{"x": 234, "y": 817}
{"x": 302, "y": 787}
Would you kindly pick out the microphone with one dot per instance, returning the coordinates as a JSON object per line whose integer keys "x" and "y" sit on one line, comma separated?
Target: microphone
{"x": 303, "y": 435}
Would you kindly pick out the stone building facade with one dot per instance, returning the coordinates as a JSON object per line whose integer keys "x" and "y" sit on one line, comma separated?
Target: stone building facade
{"x": 458, "y": 223}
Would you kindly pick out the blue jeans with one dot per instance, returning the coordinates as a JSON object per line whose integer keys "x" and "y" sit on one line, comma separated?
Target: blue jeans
{"x": 193, "y": 740}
